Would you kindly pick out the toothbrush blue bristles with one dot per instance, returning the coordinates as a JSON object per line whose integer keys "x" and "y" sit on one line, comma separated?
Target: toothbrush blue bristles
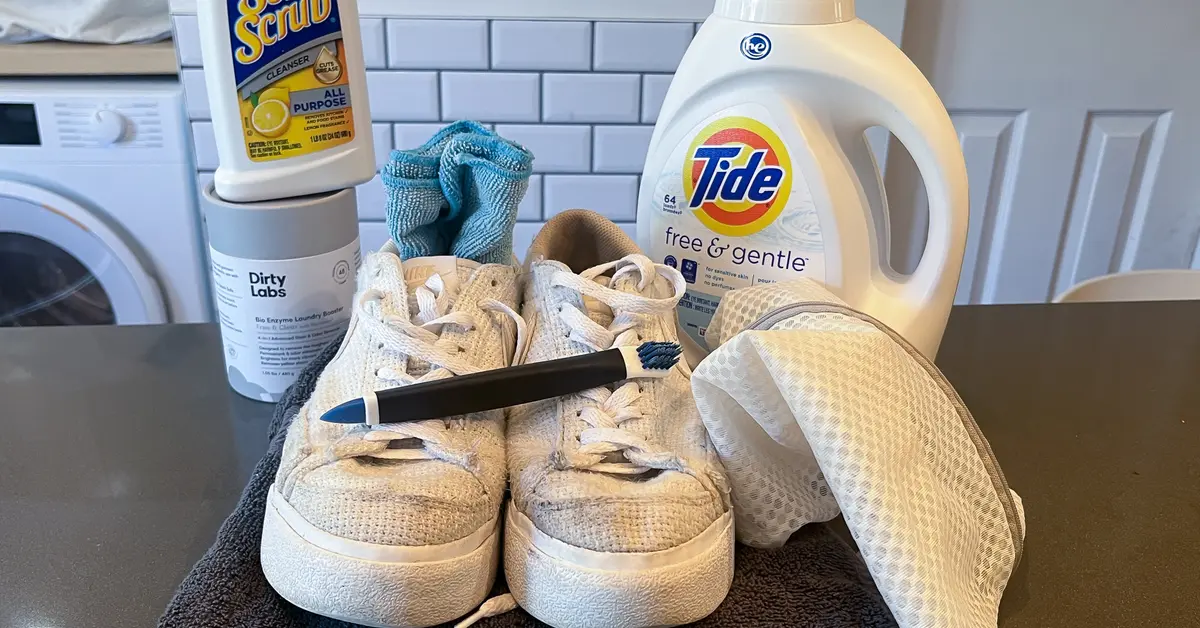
{"x": 659, "y": 355}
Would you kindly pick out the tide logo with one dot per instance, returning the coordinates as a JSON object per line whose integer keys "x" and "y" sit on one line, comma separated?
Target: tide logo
{"x": 738, "y": 176}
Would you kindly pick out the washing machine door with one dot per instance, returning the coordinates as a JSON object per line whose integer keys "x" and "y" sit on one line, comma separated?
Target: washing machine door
{"x": 60, "y": 264}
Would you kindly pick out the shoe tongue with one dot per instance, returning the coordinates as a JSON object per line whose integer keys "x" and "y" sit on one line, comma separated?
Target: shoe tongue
{"x": 660, "y": 288}
{"x": 628, "y": 282}
{"x": 417, "y": 271}
{"x": 596, "y": 309}
{"x": 453, "y": 271}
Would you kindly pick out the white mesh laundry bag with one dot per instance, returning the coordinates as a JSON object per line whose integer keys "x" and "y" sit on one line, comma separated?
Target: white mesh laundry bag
{"x": 816, "y": 409}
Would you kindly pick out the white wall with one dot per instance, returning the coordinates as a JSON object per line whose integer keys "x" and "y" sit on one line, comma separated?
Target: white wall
{"x": 1080, "y": 122}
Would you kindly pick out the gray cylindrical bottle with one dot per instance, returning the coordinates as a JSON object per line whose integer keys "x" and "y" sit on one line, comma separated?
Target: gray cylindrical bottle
{"x": 283, "y": 282}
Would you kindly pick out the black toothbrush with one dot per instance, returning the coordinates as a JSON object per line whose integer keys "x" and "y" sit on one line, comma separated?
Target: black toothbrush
{"x": 513, "y": 386}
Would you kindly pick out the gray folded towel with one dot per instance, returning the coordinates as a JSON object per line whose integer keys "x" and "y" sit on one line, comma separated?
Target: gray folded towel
{"x": 816, "y": 580}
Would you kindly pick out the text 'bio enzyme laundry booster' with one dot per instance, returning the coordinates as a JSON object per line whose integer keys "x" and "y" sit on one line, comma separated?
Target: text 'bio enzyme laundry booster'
{"x": 759, "y": 172}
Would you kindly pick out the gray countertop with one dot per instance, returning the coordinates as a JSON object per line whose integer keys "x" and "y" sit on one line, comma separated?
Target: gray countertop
{"x": 123, "y": 449}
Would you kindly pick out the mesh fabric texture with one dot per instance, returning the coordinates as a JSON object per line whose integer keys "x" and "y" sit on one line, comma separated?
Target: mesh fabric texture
{"x": 822, "y": 408}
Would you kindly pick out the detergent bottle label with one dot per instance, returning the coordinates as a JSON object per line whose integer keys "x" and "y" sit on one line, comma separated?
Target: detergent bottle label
{"x": 289, "y": 65}
{"x": 732, "y": 210}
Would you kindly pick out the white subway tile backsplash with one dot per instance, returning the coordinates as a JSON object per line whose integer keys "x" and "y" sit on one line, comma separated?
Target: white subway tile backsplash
{"x": 621, "y": 148}
{"x": 410, "y": 136}
{"x": 187, "y": 40}
{"x": 614, "y": 196}
{"x": 518, "y": 45}
{"x": 523, "y": 235}
{"x": 403, "y": 96}
{"x": 372, "y": 236}
{"x": 641, "y": 46}
{"x": 206, "y": 146}
{"x": 381, "y": 137}
{"x": 556, "y": 148}
{"x": 533, "y": 77}
{"x": 591, "y": 97}
{"x": 195, "y": 93}
{"x": 493, "y": 96}
{"x": 373, "y": 43}
{"x": 372, "y": 200}
{"x": 629, "y": 228}
{"x": 530, "y": 209}
{"x": 438, "y": 44}
{"x": 654, "y": 91}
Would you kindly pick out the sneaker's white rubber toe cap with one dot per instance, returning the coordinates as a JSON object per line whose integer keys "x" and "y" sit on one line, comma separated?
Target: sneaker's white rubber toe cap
{"x": 571, "y": 587}
{"x": 371, "y": 584}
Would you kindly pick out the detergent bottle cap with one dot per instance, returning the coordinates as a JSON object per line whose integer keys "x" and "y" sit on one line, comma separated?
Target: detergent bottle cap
{"x": 787, "y": 11}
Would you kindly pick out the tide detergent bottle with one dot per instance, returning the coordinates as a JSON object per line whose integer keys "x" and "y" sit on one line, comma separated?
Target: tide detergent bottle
{"x": 758, "y": 170}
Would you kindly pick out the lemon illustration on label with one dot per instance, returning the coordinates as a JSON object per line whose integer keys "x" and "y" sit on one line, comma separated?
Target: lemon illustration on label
{"x": 277, "y": 93}
{"x": 271, "y": 117}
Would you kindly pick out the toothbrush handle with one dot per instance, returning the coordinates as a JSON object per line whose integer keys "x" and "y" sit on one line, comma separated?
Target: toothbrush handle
{"x": 500, "y": 388}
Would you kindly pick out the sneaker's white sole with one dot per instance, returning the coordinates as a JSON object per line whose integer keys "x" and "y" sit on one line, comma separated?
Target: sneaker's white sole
{"x": 572, "y": 587}
{"x": 375, "y": 585}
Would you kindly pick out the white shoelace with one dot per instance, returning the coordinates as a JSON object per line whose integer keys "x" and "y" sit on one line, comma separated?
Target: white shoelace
{"x": 498, "y": 605}
{"x": 610, "y": 409}
{"x": 421, "y": 339}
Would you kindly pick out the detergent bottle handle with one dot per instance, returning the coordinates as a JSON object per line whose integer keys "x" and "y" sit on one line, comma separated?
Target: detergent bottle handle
{"x": 917, "y": 117}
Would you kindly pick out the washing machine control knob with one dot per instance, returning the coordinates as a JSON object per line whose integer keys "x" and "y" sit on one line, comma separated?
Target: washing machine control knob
{"x": 108, "y": 126}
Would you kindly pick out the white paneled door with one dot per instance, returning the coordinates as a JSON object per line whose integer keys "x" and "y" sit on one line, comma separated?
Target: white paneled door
{"x": 1080, "y": 122}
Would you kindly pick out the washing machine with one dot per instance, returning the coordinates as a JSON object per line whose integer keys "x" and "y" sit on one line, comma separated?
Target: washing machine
{"x": 99, "y": 222}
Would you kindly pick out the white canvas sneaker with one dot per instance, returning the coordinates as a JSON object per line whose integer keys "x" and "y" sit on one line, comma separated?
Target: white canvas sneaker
{"x": 398, "y": 524}
{"x": 619, "y": 514}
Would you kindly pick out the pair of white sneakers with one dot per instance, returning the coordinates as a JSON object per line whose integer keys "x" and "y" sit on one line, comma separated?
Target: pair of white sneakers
{"x": 619, "y": 514}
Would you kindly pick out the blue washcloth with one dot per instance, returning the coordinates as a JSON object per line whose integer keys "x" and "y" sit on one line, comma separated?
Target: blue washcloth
{"x": 457, "y": 194}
